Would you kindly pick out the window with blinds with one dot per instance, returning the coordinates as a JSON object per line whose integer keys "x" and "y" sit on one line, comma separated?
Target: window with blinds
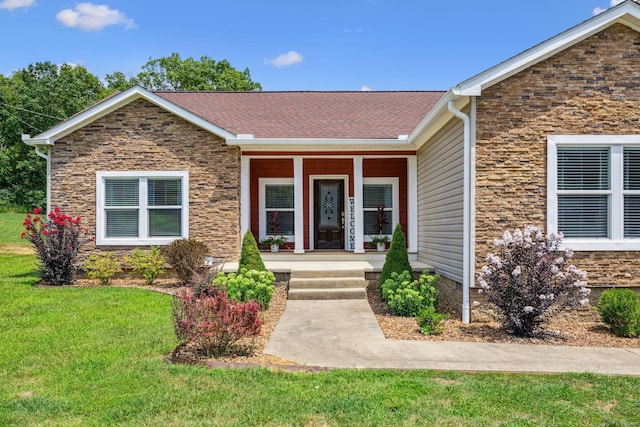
{"x": 375, "y": 197}
{"x": 143, "y": 207}
{"x": 279, "y": 209}
{"x": 631, "y": 190}
{"x": 584, "y": 190}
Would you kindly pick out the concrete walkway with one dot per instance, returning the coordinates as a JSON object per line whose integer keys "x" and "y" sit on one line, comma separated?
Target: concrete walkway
{"x": 346, "y": 334}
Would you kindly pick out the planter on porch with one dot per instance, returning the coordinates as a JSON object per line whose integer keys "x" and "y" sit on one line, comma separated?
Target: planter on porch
{"x": 274, "y": 242}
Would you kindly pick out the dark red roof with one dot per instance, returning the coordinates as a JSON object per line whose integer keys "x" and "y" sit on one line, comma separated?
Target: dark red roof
{"x": 357, "y": 115}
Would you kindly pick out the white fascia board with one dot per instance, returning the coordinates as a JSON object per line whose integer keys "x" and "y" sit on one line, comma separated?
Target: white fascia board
{"x": 627, "y": 13}
{"x": 118, "y": 101}
{"x": 302, "y": 144}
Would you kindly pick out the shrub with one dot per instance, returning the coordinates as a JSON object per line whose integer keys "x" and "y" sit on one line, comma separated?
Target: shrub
{"x": 57, "y": 242}
{"x": 102, "y": 267}
{"x": 397, "y": 259}
{"x": 250, "y": 258}
{"x": 430, "y": 321}
{"x": 529, "y": 280}
{"x": 251, "y": 285}
{"x": 406, "y": 296}
{"x": 148, "y": 263}
{"x": 620, "y": 309}
{"x": 187, "y": 257}
{"x": 213, "y": 323}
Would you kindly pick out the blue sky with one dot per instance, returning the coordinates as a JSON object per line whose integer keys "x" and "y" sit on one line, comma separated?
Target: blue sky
{"x": 290, "y": 44}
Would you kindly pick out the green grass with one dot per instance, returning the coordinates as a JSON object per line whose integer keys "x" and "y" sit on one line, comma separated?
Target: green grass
{"x": 95, "y": 356}
{"x": 10, "y": 229}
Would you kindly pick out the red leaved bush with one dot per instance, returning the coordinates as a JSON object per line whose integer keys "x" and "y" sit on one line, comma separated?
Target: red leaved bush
{"x": 212, "y": 323}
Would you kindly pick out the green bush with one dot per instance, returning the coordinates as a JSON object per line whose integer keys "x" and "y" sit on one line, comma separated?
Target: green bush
{"x": 247, "y": 285}
{"x": 187, "y": 257}
{"x": 102, "y": 267}
{"x": 406, "y": 296}
{"x": 250, "y": 258}
{"x": 620, "y": 309}
{"x": 397, "y": 259}
{"x": 148, "y": 263}
{"x": 430, "y": 321}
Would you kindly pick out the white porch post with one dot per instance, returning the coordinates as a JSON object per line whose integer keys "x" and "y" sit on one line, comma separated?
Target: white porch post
{"x": 412, "y": 203}
{"x": 358, "y": 204}
{"x": 245, "y": 197}
{"x": 298, "y": 187}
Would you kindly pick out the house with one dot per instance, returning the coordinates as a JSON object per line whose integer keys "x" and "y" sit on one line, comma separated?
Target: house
{"x": 548, "y": 137}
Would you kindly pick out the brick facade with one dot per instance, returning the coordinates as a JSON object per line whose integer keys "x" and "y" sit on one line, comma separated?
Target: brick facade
{"x": 144, "y": 137}
{"x": 592, "y": 87}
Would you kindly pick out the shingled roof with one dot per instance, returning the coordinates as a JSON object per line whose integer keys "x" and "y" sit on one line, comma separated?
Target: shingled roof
{"x": 341, "y": 115}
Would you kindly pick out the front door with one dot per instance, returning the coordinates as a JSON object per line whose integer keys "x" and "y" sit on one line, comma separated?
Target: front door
{"x": 329, "y": 214}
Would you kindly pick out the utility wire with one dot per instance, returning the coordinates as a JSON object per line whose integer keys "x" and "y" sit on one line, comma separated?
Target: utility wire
{"x": 33, "y": 112}
{"x": 19, "y": 119}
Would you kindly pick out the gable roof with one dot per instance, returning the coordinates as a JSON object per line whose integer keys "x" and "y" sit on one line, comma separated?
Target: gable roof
{"x": 310, "y": 115}
{"x": 626, "y": 13}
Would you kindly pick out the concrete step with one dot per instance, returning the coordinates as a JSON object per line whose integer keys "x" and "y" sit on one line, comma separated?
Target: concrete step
{"x": 327, "y": 294}
{"x": 327, "y": 283}
{"x": 326, "y": 273}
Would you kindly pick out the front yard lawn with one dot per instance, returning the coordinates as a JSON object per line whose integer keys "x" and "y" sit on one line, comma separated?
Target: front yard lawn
{"x": 96, "y": 356}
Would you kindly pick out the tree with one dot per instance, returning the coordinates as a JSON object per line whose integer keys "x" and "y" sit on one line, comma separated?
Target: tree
{"x": 33, "y": 100}
{"x": 397, "y": 259}
{"x": 174, "y": 73}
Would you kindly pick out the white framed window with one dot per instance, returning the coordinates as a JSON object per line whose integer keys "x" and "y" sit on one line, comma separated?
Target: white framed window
{"x": 593, "y": 191}
{"x": 380, "y": 195}
{"x": 141, "y": 208}
{"x": 277, "y": 203}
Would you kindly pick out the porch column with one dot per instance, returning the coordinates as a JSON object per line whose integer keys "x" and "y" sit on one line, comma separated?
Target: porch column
{"x": 358, "y": 204}
{"x": 298, "y": 190}
{"x": 412, "y": 204}
{"x": 245, "y": 197}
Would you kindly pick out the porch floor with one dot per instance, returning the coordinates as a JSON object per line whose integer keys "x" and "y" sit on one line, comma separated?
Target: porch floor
{"x": 286, "y": 261}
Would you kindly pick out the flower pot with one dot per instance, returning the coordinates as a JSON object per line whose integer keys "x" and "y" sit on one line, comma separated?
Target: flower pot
{"x": 275, "y": 248}
{"x": 381, "y": 247}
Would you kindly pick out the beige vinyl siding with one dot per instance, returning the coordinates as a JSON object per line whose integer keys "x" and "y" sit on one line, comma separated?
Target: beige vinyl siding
{"x": 440, "y": 201}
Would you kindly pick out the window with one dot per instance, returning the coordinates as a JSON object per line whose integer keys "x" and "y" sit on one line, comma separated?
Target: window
{"x": 277, "y": 204}
{"x": 380, "y": 195}
{"x": 135, "y": 208}
{"x": 594, "y": 191}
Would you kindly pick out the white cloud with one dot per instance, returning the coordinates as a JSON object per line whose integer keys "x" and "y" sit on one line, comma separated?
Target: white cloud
{"x": 93, "y": 17}
{"x": 353, "y": 30}
{"x": 598, "y": 10}
{"x": 16, "y": 4}
{"x": 285, "y": 60}
{"x": 365, "y": 89}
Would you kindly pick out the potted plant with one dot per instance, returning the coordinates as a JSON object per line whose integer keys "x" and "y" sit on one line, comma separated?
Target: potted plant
{"x": 381, "y": 239}
{"x": 275, "y": 240}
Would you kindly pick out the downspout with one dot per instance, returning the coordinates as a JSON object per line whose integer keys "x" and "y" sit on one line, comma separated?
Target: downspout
{"x": 466, "y": 229}
{"x": 47, "y": 157}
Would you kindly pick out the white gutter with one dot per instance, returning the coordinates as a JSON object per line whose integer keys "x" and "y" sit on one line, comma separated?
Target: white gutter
{"x": 466, "y": 229}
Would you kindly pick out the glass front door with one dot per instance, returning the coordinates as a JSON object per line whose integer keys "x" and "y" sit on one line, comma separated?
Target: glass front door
{"x": 329, "y": 214}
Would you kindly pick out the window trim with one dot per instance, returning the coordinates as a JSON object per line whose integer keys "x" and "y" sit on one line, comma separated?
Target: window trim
{"x": 143, "y": 239}
{"x": 395, "y": 212}
{"x": 616, "y": 143}
{"x": 262, "y": 202}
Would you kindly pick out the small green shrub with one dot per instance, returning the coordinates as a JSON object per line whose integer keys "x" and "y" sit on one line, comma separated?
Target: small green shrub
{"x": 620, "y": 309}
{"x": 250, "y": 258}
{"x": 102, "y": 267}
{"x": 430, "y": 321}
{"x": 406, "y": 296}
{"x": 187, "y": 257}
{"x": 148, "y": 263}
{"x": 247, "y": 285}
{"x": 397, "y": 259}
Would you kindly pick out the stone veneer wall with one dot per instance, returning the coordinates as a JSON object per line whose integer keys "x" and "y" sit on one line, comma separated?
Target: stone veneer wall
{"x": 143, "y": 137}
{"x": 590, "y": 88}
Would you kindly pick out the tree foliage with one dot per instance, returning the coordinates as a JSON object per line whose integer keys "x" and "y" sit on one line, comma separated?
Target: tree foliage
{"x": 33, "y": 100}
{"x": 174, "y": 73}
